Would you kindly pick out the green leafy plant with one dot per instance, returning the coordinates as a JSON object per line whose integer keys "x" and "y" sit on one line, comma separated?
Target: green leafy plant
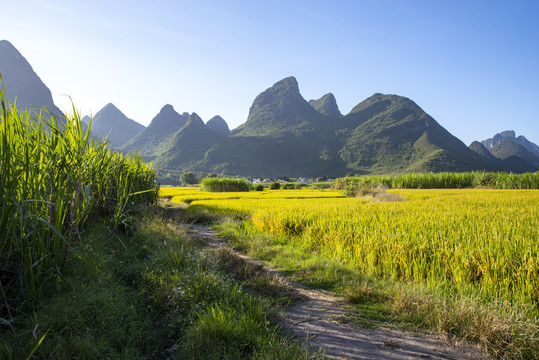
{"x": 275, "y": 185}
{"x": 54, "y": 179}
{"x": 224, "y": 185}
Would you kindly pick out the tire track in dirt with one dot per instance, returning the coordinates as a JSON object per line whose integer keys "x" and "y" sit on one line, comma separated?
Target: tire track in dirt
{"x": 319, "y": 320}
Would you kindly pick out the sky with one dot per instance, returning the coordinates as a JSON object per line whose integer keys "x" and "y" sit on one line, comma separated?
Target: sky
{"x": 472, "y": 65}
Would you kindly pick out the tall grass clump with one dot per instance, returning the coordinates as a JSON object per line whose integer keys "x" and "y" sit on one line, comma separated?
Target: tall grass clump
{"x": 443, "y": 180}
{"x": 224, "y": 185}
{"x": 54, "y": 178}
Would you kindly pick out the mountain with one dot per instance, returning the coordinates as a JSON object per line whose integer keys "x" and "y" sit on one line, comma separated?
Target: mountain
{"x": 286, "y": 135}
{"x": 326, "y": 105}
{"x": 516, "y": 152}
{"x": 511, "y": 136}
{"x": 280, "y": 110}
{"x": 506, "y": 148}
{"x": 218, "y": 124}
{"x": 22, "y": 83}
{"x": 188, "y": 145}
{"x": 154, "y": 139}
{"x": 390, "y": 133}
{"x": 112, "y": 124}
{"x": 482, "y": 150}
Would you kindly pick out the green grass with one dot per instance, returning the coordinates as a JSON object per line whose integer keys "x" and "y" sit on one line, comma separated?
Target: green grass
{"x": 501, "y": 329}
{"x": 443, "y": 180}
{"x": 55, "y": 180}
{"x": 154, "y": 294}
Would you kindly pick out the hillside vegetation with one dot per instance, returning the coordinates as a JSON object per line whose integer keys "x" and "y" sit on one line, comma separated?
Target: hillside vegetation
{"x": 286, "y": 135}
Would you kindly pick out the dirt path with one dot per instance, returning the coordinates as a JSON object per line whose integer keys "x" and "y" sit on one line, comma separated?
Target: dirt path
{"x": 318, "y": 320}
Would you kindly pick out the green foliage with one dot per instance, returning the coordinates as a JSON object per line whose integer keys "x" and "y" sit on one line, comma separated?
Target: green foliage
{"x": 154, "y": 294}
{"x": 54, "y": 179}
{"x": 289, "y": 186}
{"x": 322, "y": 185}
{"x": 188, "y": 178}
{"x": 500, "y": 180}
{"x": 224, "y": 185}
{"x": 258, "y": 187}
{"x": 275, "y": 185}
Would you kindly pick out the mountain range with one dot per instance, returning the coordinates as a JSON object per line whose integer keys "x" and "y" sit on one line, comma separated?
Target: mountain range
{"x": 285, "y": 135}
{"x": 518, "y": 154}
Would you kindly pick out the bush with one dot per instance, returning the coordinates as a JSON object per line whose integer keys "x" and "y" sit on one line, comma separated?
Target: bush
{"x": 188, "y": 178}
{"x": 322, "y": 185}
{"x": 275, "y": 185}
{"x": 259, "y": 187}
{"x": 224, "y": 185}
{"x": 289, "y": 186}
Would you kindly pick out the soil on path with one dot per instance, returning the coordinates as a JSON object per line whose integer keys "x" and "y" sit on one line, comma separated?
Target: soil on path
{"x": 318, "y": 321}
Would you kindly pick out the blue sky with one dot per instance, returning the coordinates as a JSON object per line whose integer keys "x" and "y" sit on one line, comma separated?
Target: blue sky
{"x": 472, "y": 65}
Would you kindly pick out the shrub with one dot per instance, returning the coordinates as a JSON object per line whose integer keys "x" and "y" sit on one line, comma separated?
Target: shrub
{"x": 224, "y": 185}
{"x": 259, "y": 187}
{"x": 321, "y": 185}
{"x": 275, "y": 185}
{"x": 188, "y": 178}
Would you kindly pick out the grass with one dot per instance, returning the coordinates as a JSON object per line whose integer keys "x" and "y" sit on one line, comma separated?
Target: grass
{"x": 54, "y": 181}
{"x": 501, "y": 329}
{"x": 441, "y": 180}
{"x": 156, "y": 294}
{"x": 498, "y": 313}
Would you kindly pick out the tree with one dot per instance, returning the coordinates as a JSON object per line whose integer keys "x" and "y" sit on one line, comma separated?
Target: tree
{"x": 188, "y": 178}
{"x": 275, "y": 185}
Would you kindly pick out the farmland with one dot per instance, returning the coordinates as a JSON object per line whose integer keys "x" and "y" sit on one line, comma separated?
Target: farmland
{"x": 468, "y": 245}
{"x": 90, "y": 268}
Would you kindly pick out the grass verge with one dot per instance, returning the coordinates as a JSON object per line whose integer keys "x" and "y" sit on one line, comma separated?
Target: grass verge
{"x": 501, "y": 329}
{"x": 156, "y": 294}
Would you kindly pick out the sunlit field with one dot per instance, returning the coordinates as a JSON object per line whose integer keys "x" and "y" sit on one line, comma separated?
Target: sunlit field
{"x": 472, "y": 242}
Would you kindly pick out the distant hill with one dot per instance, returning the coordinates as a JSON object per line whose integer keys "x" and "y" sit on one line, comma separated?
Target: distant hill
{"x": 390, "y": 133}
{"x": 326, "y": 105}
{"x": 218, "y": 124}
{"x": 482, "y": 150}
{"x": 518, "y": 154}
{"x": 286, "y": 135}
{"x": 154, "y": 139}
{"x": 511, "y": 136}
{"x": 22, "y": 83}
{"x": 112, "y": 124}
{"x": 280, "y": 110}
{"x": 187, "y": 146}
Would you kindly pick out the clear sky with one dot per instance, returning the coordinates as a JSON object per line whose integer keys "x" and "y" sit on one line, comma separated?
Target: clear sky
{"x": 472, "y": 65}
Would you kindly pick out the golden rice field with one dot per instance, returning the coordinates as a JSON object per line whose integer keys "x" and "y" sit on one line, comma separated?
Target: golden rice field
{"x": 470, "y": 241}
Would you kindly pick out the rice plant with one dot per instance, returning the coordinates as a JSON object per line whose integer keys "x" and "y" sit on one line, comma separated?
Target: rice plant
{"x": 470, "y": 241}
